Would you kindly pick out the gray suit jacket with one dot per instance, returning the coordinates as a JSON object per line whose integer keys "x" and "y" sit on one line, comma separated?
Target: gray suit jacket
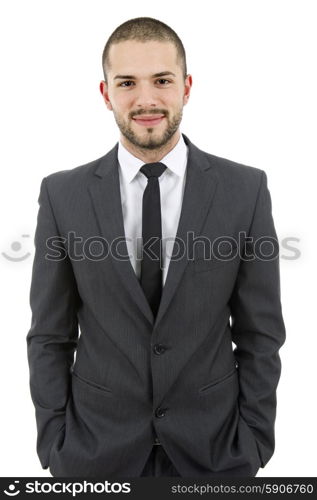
{"x": 106, "y": 378}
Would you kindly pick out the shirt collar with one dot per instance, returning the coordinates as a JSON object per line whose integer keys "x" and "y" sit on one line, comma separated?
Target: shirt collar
{"x": 175, "y": 160}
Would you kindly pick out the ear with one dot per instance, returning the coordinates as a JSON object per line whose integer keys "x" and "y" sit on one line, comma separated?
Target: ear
{"x": 103, "y": 87}
{"x": 187, "y": 84}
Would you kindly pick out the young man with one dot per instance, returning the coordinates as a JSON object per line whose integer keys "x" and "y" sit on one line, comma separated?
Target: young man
{"x": 150, "y": 261}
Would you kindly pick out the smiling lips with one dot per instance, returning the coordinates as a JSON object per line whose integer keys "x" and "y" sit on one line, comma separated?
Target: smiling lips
{"x": 148, "y": 120}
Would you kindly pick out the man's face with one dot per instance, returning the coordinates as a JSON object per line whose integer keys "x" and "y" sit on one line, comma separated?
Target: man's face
{"x": 146, "y": 91}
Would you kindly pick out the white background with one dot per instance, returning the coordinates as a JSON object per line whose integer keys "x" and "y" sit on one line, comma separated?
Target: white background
{"x": 253, "y": 101}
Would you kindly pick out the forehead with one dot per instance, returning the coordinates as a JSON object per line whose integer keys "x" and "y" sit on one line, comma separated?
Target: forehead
{"x": 132, "y": 57}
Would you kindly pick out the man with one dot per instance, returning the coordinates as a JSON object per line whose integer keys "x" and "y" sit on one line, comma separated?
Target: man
{"x": 157, "y": 265}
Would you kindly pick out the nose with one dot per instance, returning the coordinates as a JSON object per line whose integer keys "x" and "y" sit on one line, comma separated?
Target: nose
{"x": 146, "y": 97}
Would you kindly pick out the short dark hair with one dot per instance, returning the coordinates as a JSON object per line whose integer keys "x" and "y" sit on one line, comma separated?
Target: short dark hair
{"x": 144, "y": 29}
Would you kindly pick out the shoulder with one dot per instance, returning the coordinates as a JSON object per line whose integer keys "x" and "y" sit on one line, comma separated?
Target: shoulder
{"x": 234, "y": 175}
{"x": 73, "y": 177}
{"x": 236, "y": 181}
{"x": 229, "y": 169}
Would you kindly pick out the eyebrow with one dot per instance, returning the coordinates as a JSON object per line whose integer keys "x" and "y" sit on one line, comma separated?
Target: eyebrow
{"x": 156, "y": 75}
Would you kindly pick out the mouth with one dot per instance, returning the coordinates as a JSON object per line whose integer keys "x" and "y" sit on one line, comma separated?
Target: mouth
{"x": 148, "y": 120}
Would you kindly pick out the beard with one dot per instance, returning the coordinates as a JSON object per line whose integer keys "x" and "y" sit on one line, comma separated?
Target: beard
{"x": 152, "y": 140}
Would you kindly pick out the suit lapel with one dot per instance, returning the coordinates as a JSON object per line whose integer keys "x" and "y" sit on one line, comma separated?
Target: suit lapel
{"x": 106, "y": 199}
{"x": 199, "y": 190}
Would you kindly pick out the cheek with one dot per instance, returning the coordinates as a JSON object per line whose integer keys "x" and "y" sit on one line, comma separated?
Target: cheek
{"x": 174, "y": 101}
{"x": 121, "y": 103}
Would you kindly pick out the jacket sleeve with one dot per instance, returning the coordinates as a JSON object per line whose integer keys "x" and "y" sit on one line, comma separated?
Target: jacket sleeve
{"x": 257, "y": 325}
{"x": 52, "y": 338}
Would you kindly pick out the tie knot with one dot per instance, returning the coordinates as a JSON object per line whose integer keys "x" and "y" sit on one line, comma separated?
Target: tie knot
{"x": 153, "y": 169}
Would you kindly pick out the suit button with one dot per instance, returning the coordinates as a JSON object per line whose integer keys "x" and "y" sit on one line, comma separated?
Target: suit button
{"x": 159, "y": 348}
{"x": 160, "y": 412}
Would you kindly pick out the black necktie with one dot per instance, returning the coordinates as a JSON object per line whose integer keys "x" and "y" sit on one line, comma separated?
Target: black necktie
{"x": 151, "y": 271}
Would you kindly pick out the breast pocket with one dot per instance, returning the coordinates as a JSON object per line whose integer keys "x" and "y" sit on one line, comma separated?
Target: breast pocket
{"x": 223, "y": 254}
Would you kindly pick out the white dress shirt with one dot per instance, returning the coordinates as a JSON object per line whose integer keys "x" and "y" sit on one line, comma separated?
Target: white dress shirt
{"x": 132, "y": 185}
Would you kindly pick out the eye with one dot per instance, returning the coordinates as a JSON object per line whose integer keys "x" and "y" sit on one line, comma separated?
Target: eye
{"x": 127, "y": 81}
{"x": 163, "y": 80}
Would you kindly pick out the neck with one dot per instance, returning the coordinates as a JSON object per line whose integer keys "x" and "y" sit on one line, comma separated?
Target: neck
{"x": 151, "y": 155}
